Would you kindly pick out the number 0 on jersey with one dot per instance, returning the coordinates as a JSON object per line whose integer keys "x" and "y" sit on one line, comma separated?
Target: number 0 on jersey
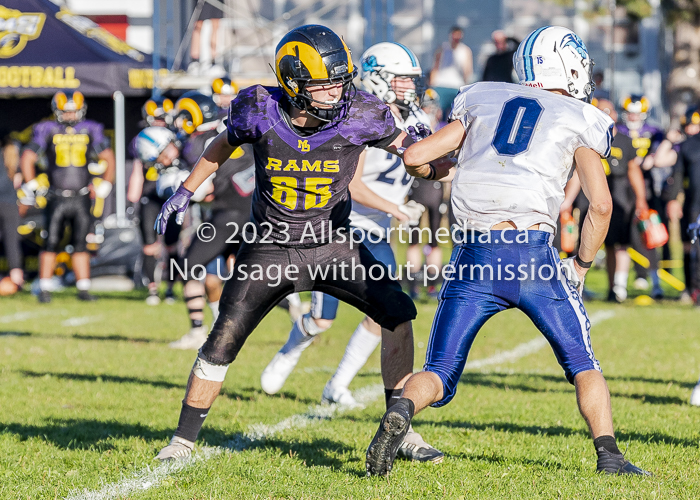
{"x": 516, "y": 125}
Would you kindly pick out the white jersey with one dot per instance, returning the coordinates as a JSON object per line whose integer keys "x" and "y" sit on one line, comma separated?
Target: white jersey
{"x": 519, "y": 152}
{"x": 385, "y": 175}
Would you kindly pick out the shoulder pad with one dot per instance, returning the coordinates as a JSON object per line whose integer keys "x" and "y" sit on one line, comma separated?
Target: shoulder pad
{"x": 369, "y": 119}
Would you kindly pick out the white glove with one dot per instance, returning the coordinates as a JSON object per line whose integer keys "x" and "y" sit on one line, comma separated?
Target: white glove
{"x": 102, "y": 188}
{"x": 567, "y": 266}
{"x": 413, "y": 211}
{"x": 27, "y": 192}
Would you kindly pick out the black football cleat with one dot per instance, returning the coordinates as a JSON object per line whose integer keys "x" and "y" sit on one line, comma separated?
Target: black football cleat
{"x": 613, "y": 463}
{"x": 86, "y": 296}
{"x": 383, "y": 448}
{"x": 44, "y": 297}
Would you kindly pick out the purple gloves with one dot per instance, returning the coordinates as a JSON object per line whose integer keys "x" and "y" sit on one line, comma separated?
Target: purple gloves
{"x": 178, "y": 202}
{"x": 419, "y": 132}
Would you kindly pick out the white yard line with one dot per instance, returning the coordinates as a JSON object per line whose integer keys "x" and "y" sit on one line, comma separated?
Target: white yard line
{"x": 151, "y": 477}
{"x": 148, "y": 477}
{"x": 80, "y": 320}
{"x": 22, "y": 316}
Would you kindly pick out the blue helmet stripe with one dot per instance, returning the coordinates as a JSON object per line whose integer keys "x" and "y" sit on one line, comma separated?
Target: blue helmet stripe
{"x": 147, "y": 137}
{"x": 527, "y": 53}
{"x": 414, "y": 61}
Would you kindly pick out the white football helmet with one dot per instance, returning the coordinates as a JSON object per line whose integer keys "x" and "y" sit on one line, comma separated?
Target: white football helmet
{"x": 555, "y": 57}
{"x": 384, "y": 61}
{"x": 151, "y": 142}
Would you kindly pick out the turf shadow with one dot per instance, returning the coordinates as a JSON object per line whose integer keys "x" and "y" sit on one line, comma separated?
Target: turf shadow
{"x": 85, "y": 434}
{"x": 681, "y": 383}
{"x": 537, "y": 430}
{"x": 244, "y": 393}
{"x": 254, "y": 393}
{"x": 468, "y": 375}
{"x": 117, "y": 379}
{"x": 118, "y": 338}
{"x": 14, "y": 334}
{"x": 493, "y": 458}
{"x": 79, "y": 336}
{"x": 315, "y": 453}
{"x": 504, "y": 381}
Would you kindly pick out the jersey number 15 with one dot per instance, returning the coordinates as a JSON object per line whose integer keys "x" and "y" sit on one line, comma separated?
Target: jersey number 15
{"x": 516, "y": 125}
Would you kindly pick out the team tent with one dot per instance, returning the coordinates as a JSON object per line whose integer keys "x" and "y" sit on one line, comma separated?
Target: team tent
{"x": 45, "y": 49}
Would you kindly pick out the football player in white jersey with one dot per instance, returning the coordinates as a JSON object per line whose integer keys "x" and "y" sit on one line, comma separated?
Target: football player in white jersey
{"x": 391, "y": 72}
{"x": 517, "y": 146}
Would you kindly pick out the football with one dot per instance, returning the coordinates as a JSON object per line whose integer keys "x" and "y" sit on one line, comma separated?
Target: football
{"x": 7, "y": 287}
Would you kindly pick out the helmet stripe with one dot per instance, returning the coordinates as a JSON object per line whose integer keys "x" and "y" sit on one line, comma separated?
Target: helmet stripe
{"x": 414, "y": 61}
{"x": 527, "y": 53}
{"x": 191, "y": 106}
{"x": 351, "y": 66}
{"x": 308, "y": 56}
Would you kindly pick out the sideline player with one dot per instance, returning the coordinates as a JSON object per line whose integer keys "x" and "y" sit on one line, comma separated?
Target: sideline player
{"x": 233, "y": 186}
{"x": 391, "y": 72}
{"x": 155, "y": 148}
{"x": 307, "y": 136}
{"x": 539, "y": 130}
{"x": 223, "y": 91}
{"x": 686, "y": 178}
{"x": 72, "y": 145}
{"x": 656, "y": 155}
{"x": 628, "y": 192}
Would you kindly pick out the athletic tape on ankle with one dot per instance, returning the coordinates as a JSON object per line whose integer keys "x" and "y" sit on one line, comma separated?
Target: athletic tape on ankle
{"x": 205, "y": 370}
{"x": 309, "y": 326}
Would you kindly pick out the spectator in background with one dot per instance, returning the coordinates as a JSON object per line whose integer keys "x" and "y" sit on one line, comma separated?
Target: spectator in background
{"x": 499, "y": 66}
{"x": 628, "y": 191}
{"x": 9, "y": 218}
{"x": 600, "y": 92}
{"x": 453, "y": 68}
{"x": 214, "y": 14}
{"x": 686, "y": 179}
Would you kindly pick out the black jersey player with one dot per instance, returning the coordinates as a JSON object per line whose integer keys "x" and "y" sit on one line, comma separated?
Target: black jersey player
{"x": 72, "y": 145}
{"x": 232, "y": 191}
{"x": 307, "y": 136}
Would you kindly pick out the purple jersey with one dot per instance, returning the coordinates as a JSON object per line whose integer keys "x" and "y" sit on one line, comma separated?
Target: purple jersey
{"x": 68, "y": 150}
{"x": 645, "y": 139}
{"x": 301, "y": 182}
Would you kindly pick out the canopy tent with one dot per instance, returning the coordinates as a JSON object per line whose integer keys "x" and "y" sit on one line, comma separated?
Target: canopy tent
{"x": 45, "y": 48}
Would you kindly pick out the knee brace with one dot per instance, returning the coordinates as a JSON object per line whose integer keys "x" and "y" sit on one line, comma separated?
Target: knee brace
{"x": 204, "y": 370}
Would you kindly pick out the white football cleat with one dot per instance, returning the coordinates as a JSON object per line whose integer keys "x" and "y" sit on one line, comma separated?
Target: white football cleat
{"x": 340, "y": 396}
{"x": 152, "y": 300}
{"x": 278, "y": 370}
{"x": 620, "y": 293}
{"x": 641, "y": 284}
{"x": 178, "y": 448}
{"x": 194, "y": 339}
{"x": 695, "y": 396}
{"x": 282, "y": 365}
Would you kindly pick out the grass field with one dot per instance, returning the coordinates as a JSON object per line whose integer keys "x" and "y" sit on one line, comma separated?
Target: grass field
{"x": 91, "y": 392}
